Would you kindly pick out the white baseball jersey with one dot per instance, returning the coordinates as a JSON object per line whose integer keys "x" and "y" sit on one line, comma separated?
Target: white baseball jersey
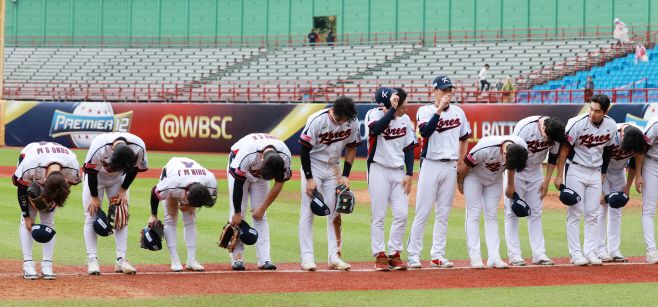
{"x": 246, "y": 156}
{"x": 178, "y": 174}
{"x": 387, "y": 148}
{"x": 528, "y": 129}
{"x": 620, "y": 157}
{"x": 651, "y": 137}
{"x": 452, "y": 127}
{"x": 587, "y": 141}
{"x": 36, "y": 157}
{"x": 328, "y": 139}
{"x": 100, "y": 153}
{"x": 486, "y": 158}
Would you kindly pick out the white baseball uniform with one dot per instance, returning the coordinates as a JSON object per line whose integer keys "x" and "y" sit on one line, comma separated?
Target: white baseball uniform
{"x": 327, "y": 141}
{"x": 583, "y": 175}
{"x": 437, "y": 177}
{"x": 109, "y": 182}
{"x": 527, "y": 184}
{"x": 32, "y": 167}
{"x": 386, "y": 153}
{"x": 245, "y": 164}
{"x": 176, "y": 176}
{"x": 483, "y": 186}
{"x": 650, "y": 175}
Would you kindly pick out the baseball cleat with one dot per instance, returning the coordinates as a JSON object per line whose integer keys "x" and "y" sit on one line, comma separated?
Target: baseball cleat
{"x": 238, "y": 265}
{"x": 123, "y": 266}
{"x": 544, "y": 260}
{"x": 194, "y": 265}
{"x": 381, "y": 264}
{"x": 579, "y": 260}
{"x": 339, "y": 265}
{"x": 477, "y": 264}
{"x": 593, "y": 260}
{"x": 605, "y": 257}
{"x": 652, "y": 257}
{"x": 28, "y": 270}
{"x": 516, "y": 261}
{"x": 441, "y": 263}
{"x": 47, "y": 270}
{"x": 499, "y": 264}
{"x": 267, "y": 265}
{"x": 619, "y": 258}
{"x": 92, "y": 266}
{"x": 414, "y": 264}
{"x": 308, "y": 265}
{"x": 395, "y": 263}
{"x": 176, "y": 266}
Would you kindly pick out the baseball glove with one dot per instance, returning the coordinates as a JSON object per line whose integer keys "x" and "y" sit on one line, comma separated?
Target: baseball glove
{"x": 117, "y": 214}
{"x": 229, "y": 237}
{"x": 36, "y": 198}
{"x": 344, "y": 200}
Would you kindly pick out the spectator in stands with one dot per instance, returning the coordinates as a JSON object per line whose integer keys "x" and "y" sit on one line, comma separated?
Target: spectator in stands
{"x": 641, "y": 54}
{"x": 331, "y": 37}
{"x": 508, "y": 90}
{"x": 483, "y": 78}
{"x": 621, "y": 32}
{"x": 312, "y": 37}
{"x": 589, "y": 89}
{"x": 499, "y": 85}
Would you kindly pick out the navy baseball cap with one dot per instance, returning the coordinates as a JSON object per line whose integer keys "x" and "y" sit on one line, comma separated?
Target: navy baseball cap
{"x": 153, "y": 238}
{"x": 441, "y": 82}
{"x": 383, "y": 96}
{"x": 520, "y": 207}
{"x": 616, "y": 200}
{"x": 42, "y": 233}
{"x": 318, "y": 206}
{"x": 568, "y": 196}
{"x": 101, "y": 226}
{"x": 248, "y": 235}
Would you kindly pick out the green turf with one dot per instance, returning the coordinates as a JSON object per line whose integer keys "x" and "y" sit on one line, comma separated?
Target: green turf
{"x": 643, "y": 294}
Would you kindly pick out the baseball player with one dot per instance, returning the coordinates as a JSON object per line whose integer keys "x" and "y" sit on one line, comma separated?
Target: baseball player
{"x": 445, "y": 131}
{"x": 588, "y": 136}
{"x": 391, "y": 143}
{"x": 480, "y": 181}
{"x": 541, "y": 134}
{"x": 111, "y": 165}
{"x": 649, "y": 195}
{"x": 184, "y": 185}
{"x": 54, "y": 168}
{"x": 325, "y": 135}
{"x": 631, "y": 148}
{"x": 255, "y": 160}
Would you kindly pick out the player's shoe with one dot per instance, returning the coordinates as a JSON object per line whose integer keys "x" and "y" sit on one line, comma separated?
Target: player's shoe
{"x": 499, "y": 264}
{"x": 477, "y": 264}
{"x": 395, "y": 263}
{"x": 308, "y": 265}
{"x": 381, "y": 263}
{"x": 605, "y": 257}
{"x": 123, "y": 266}
{"x": 414, "y": 263}
{"x": 92, "y": 266}
{"x": 652, "y": 257}
{"x": 194, "y": 265}
{"x": 339, "y": 265}
{"x": 516, "y": 260}
{"x": 176, "y": 266}
{"x": 47, "y": 270}
{"x": 29, "y": 272}
{"x": 238, "y": 265}
{"x": 267, "y": 265}
{"x": 441, "y": 263}
{"x": 579, "y": 260}
{"x": 544, "y": 260}
{"x": 619, "y": 258}
{"x": 593, "y": 260}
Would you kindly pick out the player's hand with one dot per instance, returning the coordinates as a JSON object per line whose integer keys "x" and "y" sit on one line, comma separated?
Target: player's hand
{"x": 460, "y": 186}
{"x": 627, "y": 190}
{"x": 152, "y": 220}
{"x": 444, "y": 102}
{"x": 395, "y": 99}
{"x": 122, "y": 197}
{"x": 184, "y": 207}
{"x": 236, "y": 218}
{"x": 558, "y": 182}
{"x": 639, "y": 184}
{"x": 28, "y": 223}
{"x": 406, "y": 183}
{"x": 603, "y": 203}
{"x": 94, "y": 204}
{"x": 509, "y": 191}
{"x": 344, "y": 180}
{"x": 311, "y": 185}
{"x": 543, "y": 190}
{"x": 258, "y": 213}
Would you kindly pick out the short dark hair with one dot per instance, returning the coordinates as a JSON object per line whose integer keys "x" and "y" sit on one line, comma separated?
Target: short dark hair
{"x": 633, "y": 140}
{"x": 123, "y": 158}
{"x": 601, "y": 99}
{"x": 486, "y": 65}
{"x": 198, "y": 196}
{"x": 273, "y": 166}
{"x": 402, "y": 94}
{"x": 555, "y": 130}
{"x": 516, "y": 157}
{"x": 56, "y": 188}
{"x": 344, "y": 106}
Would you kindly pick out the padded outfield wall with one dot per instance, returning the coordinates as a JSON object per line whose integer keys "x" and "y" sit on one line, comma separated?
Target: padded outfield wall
{"x": 180, "y": 18}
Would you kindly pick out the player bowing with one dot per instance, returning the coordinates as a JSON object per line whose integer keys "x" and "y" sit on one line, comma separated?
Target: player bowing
{"x": 391, "y": 143}
{"x": 588, "y": 137}
{"x": 480, "y": 181}
{"x": 50, "y": 169}
{"x": 255, "y": 160}
{"x": 184, "y": 185}
{"x": 649, "y": 195}
{"x": 541, "y": 134}
{"x": 111, "y": 165}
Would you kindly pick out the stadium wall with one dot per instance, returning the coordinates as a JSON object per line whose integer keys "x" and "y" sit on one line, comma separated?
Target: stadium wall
{"x": 214, "y": 127}
{"x": 185, "y": 18}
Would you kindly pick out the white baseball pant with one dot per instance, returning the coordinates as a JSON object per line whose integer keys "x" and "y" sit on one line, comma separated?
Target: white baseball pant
{"x": 24, "y": 235}
{"x": 436, "y": 187}
{"x": 527, "y": 190}
{"x": 482, "y": 195}
{"x": 586, "y": 182}
{"x": 189, "y": 228}
{"x": 326, "y": 176}
{"x": 649, "y": 196}
{"x": 385, "y": 187}
{"x": 615, "y": 180}
{"x": 108, "y": 185}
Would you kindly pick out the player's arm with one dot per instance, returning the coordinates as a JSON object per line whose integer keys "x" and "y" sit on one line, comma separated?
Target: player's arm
{"x": 376, "y": 127}
{"x": 561, "y": 160}
{"x": 350, "y": 154}
{"x": 409, "y": 164}
{"x": 637, "y": 164}
{"x": 552, "y": 161}
{"x": 629, "y": 180}
{"x": 259, "y": 212}
{"x": 607, "y": 154}
{"x": 155, "y": 202}
{"x": 127, "y": 181}
{"x": 463, "y": 170}
{"x": 305, "y": 157}
{"x": 23, "y": 202}
{"x": 91, "y": 169}
{"x": 509, "y": 190}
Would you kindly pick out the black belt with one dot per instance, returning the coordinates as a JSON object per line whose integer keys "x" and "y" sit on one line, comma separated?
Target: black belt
{"x": 652, "y": 158}
{"x": 572, "y": 162}
{"x": 447, "y": 160}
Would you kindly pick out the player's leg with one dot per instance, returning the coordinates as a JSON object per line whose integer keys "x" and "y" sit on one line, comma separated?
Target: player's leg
{"x": 120, "y": 235}
{"x": 425, "y": 195}
{"x": 334, "y": 221}
{"x": 379, "y": 188}
{"x": 592, "y": 202}
{"x": 238, "y": 251}
{"x": 170, "y": 223}
{"x": 444, "y": 194}
{"x": 649, "y": 196}
{"x": 25, "y": 237}
{"x": 512, "y": 221}
{"x": 473, "y": 191}
{"x": 306, "y": 218}
{"x": 257, "y": 194}
{"x": 535, "y": 225}
{"x": 602, "y": 217}
{"x": 575, "y": 182}
{"x": 399, "y": 202}
{"x": 91, "y": 237}
{"x": 491, "y": 198}
{"x": 614, "y": 217}
{"x": 48, "y": 219}
{"x": 190, "y": 236}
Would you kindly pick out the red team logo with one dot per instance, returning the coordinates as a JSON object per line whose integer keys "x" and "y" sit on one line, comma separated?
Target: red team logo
{"x": 331, "y": 137}
{"x": 539, "y": 146}
{"x": 619, "y": 154}
{"x": 394, "y": 133}
{"x": 493, "y": 167}
{"x": 589, "y": 140}
{"x": 445, "y": 125}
